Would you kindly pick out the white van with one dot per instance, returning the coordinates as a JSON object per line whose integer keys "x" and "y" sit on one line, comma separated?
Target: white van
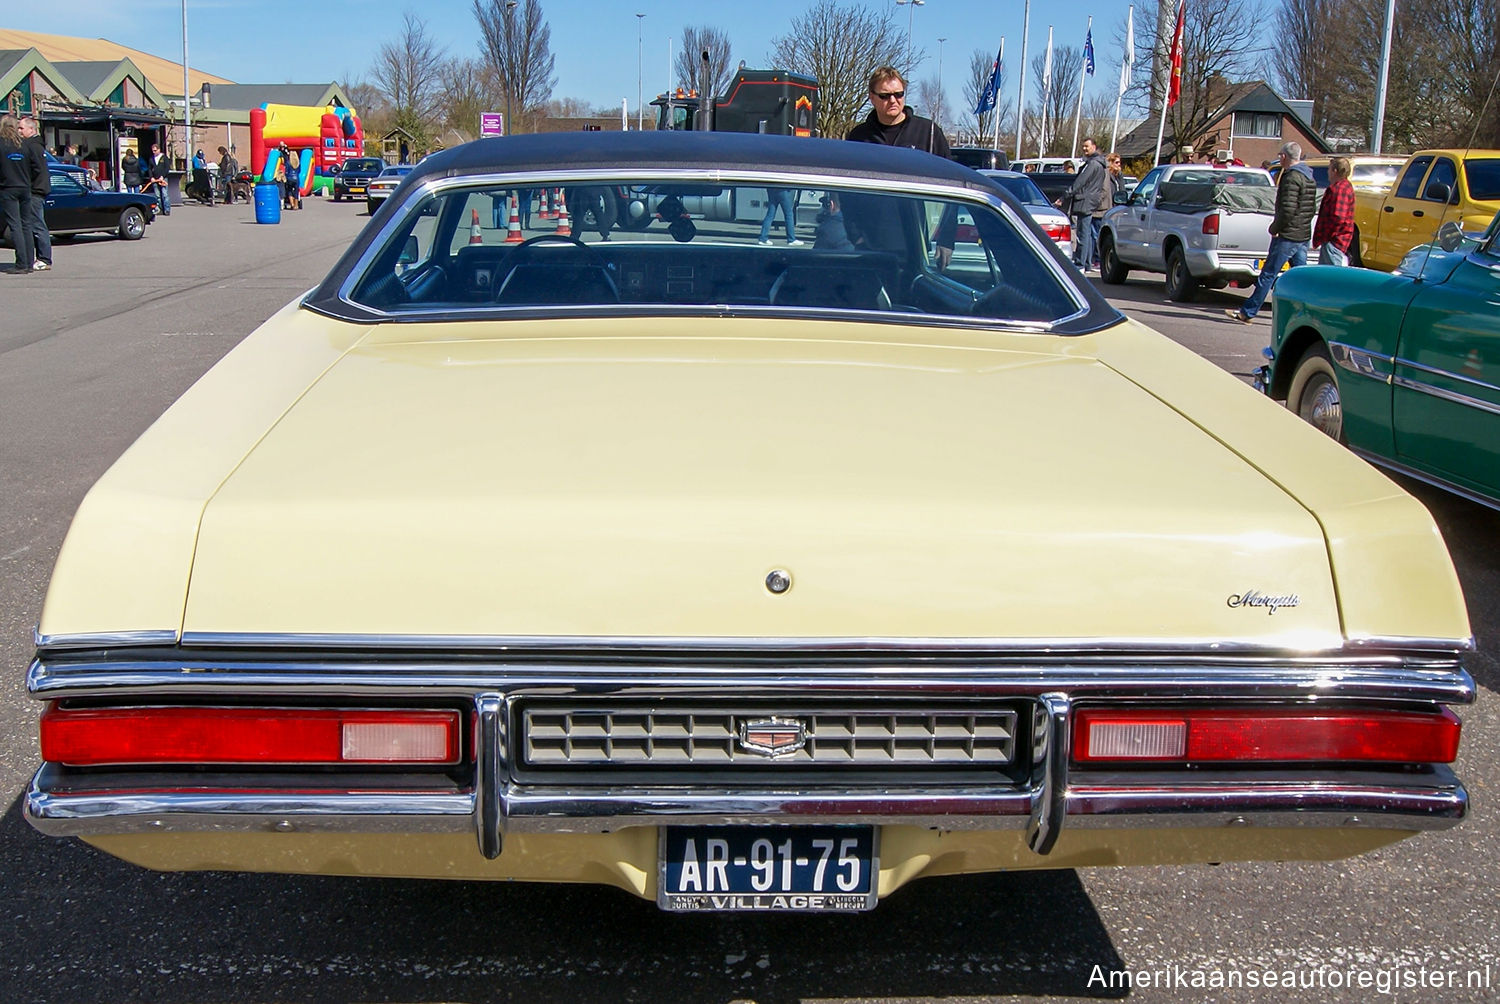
{"x": 1045, "y": 165}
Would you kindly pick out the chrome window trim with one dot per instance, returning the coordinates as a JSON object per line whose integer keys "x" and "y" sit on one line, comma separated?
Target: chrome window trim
{"x": 1020, "y": 222}
{"x": 1443, "y": 393}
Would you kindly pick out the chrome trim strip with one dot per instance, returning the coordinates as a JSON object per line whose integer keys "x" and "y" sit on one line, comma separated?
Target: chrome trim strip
{"x": 1448, "y": 374}
{"x": 1428, "y": 479}
{"x": 119, "y": 679}
{"x": 102, "y": 639}
{"x": 567, "y": 810}
{"x": 490, "y": 773}
{"x": 1362, "y": 361}
{"x": 760, "y": 645}
{"x": 544, "y": 179}
{"x": 1049, "y": 799}
{"x": 1448, "y": 395}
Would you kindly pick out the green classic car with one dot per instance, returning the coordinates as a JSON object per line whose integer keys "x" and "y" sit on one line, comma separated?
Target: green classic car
{"x": 1404, "y": 368}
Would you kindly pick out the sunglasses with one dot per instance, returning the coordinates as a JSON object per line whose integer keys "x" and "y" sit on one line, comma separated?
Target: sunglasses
{"x": 888, "y": 95}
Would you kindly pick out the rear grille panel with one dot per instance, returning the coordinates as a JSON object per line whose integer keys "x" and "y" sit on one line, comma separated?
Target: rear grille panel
{"x": 696, "y": 739}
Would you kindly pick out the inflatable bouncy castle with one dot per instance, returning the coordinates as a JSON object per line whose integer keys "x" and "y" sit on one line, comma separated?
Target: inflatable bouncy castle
{"x": 322, "y": 138}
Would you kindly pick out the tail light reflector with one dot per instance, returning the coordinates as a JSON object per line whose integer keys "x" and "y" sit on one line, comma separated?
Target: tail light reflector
{"x": 1058, "y": 231}
{"x": 96, "y": 736}
{"x": 1263, "y": 735}
{"x": 1211, "y": 223}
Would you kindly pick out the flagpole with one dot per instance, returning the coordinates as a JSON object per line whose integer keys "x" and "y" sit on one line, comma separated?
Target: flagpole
{"x": 1082, "y": 78}
{"x": 1114, "y": 135}
{"x": 999, "y": 65}
{"x": 1021, "y": 98}
{"x": 1172, "y": 75}
{"x": 1046, "y": 95}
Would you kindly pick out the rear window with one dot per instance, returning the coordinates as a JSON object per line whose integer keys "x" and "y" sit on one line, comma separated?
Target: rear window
{"x": 367, "y": 164}
{"x": 679, "y": 246}
{"x": 1024, "y": 190}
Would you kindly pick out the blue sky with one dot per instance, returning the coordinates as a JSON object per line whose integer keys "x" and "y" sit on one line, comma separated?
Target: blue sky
{"x": 594, "y": 41}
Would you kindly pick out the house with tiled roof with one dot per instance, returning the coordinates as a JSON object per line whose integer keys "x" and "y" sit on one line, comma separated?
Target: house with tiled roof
{"x": 1249, "y": 120}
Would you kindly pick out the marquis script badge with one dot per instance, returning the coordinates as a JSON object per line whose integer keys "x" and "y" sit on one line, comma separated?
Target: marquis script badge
{"x": 772, "y": 737}
{"x": 1256, "y": 598}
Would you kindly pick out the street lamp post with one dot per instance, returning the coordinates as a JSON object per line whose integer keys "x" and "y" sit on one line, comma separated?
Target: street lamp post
{"x": 510, "y": 71}
{"x": 187, "y": 98}
{"x": 940, "y": 102}
{"x": 911, "y": 8}
{"x": 640, "y": 109}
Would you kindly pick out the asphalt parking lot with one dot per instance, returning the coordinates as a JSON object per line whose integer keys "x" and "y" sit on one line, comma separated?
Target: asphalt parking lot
{"x": 93, "y": 351}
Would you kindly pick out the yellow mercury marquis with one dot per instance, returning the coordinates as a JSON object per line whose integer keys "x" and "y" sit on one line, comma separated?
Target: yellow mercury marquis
{"x": 742, "y": 561}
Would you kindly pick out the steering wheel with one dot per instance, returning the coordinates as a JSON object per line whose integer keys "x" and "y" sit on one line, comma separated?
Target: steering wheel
{"x": 524, "y": 248}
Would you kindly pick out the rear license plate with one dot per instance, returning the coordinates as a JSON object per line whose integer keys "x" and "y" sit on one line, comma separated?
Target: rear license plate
{"x": 806, "y": 869}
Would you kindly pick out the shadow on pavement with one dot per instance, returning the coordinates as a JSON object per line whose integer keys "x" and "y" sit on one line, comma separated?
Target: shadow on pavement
{"x": 85, "y": 927}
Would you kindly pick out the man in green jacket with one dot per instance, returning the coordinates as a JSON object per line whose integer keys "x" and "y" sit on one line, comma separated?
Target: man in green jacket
{"x": 1291, "y": 228}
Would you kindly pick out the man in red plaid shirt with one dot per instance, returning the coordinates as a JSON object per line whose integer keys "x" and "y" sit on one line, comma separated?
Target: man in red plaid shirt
{"x": 1335, "y": 226}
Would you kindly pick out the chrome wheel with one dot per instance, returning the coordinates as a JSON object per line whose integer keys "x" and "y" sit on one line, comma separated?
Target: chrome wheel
{"x": 1314, "y": 394}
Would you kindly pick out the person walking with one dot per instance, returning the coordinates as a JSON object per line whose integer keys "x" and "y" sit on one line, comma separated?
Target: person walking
{"x": 1086, "y": 196}
{"x": 130, "y": 171}
{"x": 229, "y": 170}
{"x": 41, "y": 187}
{"x": 15, "y": 193}
{"x": 1334, "y": 231}
{"x": 1290, "y": 229}
{"x": 1114, "y": 184}
{"x": 156, "y": 180}
{"x": 783, "y": 199}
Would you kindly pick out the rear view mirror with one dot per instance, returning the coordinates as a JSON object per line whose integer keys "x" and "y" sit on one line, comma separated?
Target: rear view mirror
{"x": 1437, "y": 192}
{"x": 1121, "y": 199}
{"x": 1450, "y": 235}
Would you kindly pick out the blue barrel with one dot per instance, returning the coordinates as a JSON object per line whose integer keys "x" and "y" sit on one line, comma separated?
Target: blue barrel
{"x": 267, "y": 203}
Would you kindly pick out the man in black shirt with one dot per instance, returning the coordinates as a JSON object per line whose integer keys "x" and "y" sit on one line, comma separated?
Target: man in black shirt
{"x": 893, "y": 123}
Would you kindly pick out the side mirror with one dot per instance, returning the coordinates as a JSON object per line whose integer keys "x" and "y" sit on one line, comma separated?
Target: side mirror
{"x": 1437, "y": 192}
{"x": 409, "y": 252}
{"x": 1121, "y": 199}
{"x": 1450, "y": 235}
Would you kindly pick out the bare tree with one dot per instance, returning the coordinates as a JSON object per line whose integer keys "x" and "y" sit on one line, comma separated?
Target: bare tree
{"x": 516, "y": 43}
{"x": 1061, "y": 101}
{"x": 933, "y": 102}
{"x": 689, "y": 62}
{"x": 468, "y": 88}
{"x": 1219, "y": 47}
{"x": 840, "y": 45}
{"x": 1305, "y": 65}
{"x": 407, "y": 72}
{"x": 981, "y": 64}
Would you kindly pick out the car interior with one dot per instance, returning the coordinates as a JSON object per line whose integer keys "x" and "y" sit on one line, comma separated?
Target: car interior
{"x": 856, "y": 250}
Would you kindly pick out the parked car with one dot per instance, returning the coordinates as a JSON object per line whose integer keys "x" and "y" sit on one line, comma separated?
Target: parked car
{"x": 1200, "y": 226}
{"x": 1402, "y": 368}
{"x": 78, "y": 205}
{"x": 980, "y": 158}
{"x": 1053, "y": 221}
{"x": 1368, "y": 172}
{"x": 739, "y": 577}
{"x": 1045, "y": 165}
{"x": 386, "y": 182}
{"x": 1435, "y": 186}
{"x": 354, "y": 176}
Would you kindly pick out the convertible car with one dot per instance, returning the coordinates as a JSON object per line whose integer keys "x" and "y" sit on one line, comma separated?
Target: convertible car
{"x": 1403, "y": 368}
{"x": 739, "y": 577}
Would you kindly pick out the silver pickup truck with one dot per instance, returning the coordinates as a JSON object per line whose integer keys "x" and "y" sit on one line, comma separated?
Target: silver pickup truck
{"x": 1201, "y": 226}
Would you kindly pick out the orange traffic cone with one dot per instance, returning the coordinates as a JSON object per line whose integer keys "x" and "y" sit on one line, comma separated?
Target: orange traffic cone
{"x": 564, "y": 229}
{"x": 475, "y": 237}
{"x": 513, "y": 234}
{"x": 549, "y": 204}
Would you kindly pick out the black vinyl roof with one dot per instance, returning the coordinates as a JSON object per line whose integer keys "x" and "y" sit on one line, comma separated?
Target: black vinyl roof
{"x": 633, "y": 151}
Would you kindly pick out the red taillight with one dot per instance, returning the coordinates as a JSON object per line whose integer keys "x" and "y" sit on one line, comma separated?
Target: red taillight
{"x": 1263, "y": 735}
{"x": 1058, "y": 231}
{"x": 1211, "y": 223}
{"x": 95, "y": 736}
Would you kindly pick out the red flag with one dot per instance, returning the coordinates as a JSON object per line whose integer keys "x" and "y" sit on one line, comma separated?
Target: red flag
{"x": 1174, "y": 89}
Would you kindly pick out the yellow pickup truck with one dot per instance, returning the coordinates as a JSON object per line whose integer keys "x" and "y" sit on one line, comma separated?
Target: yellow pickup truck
{"x": 1434, "y": 186}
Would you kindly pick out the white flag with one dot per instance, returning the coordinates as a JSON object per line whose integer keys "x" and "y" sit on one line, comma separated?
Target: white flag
{"x": 1128, "y": 64}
